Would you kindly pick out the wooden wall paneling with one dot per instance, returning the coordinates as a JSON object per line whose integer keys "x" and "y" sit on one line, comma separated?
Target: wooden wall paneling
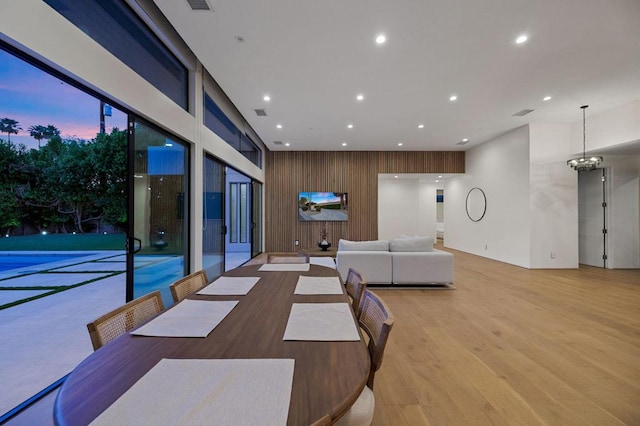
{"x": 355, "y": 172}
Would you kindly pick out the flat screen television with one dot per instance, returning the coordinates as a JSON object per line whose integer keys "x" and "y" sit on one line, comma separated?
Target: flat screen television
{"x": 323, "y": 206}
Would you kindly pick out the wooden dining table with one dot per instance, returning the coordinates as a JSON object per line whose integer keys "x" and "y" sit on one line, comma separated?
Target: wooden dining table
{"x": 328, "y": 375}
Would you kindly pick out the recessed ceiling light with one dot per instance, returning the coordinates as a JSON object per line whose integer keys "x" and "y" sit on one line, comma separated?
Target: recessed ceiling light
{"x": 279, "y": 126}
{"x": 521, "y": 39}
{"x": 350, "y": 126}
{"x": 546, "y": 98}
{"x": 381, "y": 38}
{"x": 453, "y": 98}
{"x": 344, "y": 144}
{"x": 437, "y": 181}
{"x": 439, "y": 177}
{"x": 399, "y": 143}
{"x": 360, "y": 97}
{"x": 266, "y": 98}
{"x": 420, "y": 126}
{"x": 465, "y": 140}
{"x": 395, "y": 177}
{"x": 287, "y": 144}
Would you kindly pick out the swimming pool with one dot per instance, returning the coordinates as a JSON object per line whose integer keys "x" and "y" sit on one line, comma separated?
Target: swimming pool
{"x": 18, "y": 260}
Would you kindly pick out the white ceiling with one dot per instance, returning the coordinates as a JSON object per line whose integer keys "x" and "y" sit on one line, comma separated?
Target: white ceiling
{"x": 314, "y": 57}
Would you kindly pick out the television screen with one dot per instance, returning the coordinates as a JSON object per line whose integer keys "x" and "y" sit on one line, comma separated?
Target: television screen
{"x": 323, "y": 206}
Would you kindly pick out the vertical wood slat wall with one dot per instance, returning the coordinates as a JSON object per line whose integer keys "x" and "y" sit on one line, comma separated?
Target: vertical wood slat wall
{"x": 355, "y": 172}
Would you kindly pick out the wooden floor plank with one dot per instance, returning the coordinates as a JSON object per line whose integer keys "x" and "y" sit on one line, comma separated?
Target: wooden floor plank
{"x": 514, "y": 346}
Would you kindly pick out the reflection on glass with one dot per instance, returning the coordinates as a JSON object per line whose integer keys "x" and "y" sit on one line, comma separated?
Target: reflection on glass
{"x": 160, "y": 207}
{"x": 213, "y": 219}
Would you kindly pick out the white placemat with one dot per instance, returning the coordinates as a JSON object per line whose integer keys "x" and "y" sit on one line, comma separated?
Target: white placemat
{"x": 318, "y": 285}
{"x": 321, "y": 322}
{"x": 234, "y": 286}
{"x": 284, "y": 267}
{"x": 189, "y": 318}
{"x": 205, "y": 392}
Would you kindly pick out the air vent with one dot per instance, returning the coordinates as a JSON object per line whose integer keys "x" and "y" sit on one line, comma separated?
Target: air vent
{"x": 277, "y": 142}
{"x": 462, "y": 143}
{"x": 261, "y": 112}
{"x": 199, "y": 4}
{"x": 523, "y": 112}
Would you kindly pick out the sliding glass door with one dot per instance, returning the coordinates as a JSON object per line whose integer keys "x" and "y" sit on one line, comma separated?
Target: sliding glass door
{"x": 256, "y": 218}
{"x": 213, "y": 224}
{"x": 158, "y": 203}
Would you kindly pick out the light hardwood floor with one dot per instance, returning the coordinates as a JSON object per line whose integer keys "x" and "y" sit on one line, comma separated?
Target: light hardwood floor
{"x": 513, "y": 346}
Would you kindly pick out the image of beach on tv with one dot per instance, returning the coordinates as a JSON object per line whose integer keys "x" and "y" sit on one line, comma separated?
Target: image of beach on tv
{"x": 323, "y": 206}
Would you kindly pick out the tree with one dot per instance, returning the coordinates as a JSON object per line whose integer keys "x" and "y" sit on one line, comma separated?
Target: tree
{"x": 37, "y": 132}
{"x": 10, "y": 205}
{"x": 51, "y": 131}
{"x": 9, "y": 126}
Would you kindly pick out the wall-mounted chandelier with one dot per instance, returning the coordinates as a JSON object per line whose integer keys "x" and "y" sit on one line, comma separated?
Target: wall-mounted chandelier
{"x": 584, "y": 164}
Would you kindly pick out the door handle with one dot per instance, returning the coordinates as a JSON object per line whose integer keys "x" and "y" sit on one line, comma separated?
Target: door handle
{"x": 131, "y": 245}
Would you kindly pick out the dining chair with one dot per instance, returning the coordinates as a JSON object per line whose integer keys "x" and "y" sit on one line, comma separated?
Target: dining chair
{"x": 356, "y": 285}
{"x": 288, "y": 258}
{"x": 376, "y": 320}
{"x": 187, "y": 285}
{"x": 120, "y": 320}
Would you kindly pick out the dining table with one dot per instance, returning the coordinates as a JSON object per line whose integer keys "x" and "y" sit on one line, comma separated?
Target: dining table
{"x": 328, "y": 375}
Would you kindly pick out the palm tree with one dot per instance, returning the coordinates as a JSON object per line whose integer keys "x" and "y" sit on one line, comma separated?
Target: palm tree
{"x": 51, "y": 131}
{"x": 9, "y": 126}
{"x": 37, "y": 132}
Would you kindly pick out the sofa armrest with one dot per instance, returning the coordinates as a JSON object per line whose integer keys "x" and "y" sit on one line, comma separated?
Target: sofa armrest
{"x": 434, "y": 267}
{"x": 375, "y": 266}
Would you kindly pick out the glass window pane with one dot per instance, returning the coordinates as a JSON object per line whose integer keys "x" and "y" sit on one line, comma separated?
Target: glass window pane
{"x": 233, "y": 213}
{"x": 160, "y": 218}
{"x": 216, "y": 121}
{"x": 119, "y": 30}
{"x": 250, "y": 150}
{"x": 213, "y": 218}
{"x": 243, "y": 213}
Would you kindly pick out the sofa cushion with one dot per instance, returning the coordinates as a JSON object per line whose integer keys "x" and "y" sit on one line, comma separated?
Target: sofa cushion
{"x": 413, "y": 244}
{"x": 378, "y": 245}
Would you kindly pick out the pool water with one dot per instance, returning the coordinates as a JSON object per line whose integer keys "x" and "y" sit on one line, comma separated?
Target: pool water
{"x": 16, "y": 261}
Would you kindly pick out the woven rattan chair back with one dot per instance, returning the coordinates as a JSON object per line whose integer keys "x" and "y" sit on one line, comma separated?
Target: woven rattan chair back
{"x": 187, "y": 285}
{"x": 120, "y": 320}
{"x": 355, "y": 284}
{"x": 288, "y": 258}
{"x": 376, "y": 320}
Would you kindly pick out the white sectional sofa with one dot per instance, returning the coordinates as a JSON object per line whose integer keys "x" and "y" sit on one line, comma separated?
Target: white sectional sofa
{"x": 403, "y": 261}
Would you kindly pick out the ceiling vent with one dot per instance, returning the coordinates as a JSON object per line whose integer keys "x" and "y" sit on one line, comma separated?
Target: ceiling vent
{"x": 277, "y": 142}
{"x": 462, "y": 143}
{"x": 523, "y": 112}
{"x": 199, "y": 4}
{"x": 261, "y": 112}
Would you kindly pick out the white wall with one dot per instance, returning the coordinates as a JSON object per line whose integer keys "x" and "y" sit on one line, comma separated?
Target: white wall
{"x": 553, "y": 198}
{"x": 501, "y": 169}
{"x": 406, "y": 206}
{"x": 617, "y": 126}
{"x": 624, "y": 211}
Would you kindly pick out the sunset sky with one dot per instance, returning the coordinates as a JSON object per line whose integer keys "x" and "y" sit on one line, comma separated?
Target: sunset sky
{"x": 33, "y": 97}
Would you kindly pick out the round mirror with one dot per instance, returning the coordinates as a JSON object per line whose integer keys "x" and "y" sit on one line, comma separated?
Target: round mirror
{"x": 476, "y": 204}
